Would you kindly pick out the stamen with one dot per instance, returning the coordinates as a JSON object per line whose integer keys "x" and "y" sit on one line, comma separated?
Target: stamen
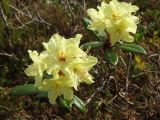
{"x": 60, "y": 73}
{"x": 81, "y": 75}
{"x": 62, "y": 57}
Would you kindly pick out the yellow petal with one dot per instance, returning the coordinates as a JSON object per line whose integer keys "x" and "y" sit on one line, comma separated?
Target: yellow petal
{"x": 93, "y": 14}
{"x": 33, "y": 55}
{"x": 98, "y": 25}
{"x": 68, "y": 93}
{"x": 52, "y": 95}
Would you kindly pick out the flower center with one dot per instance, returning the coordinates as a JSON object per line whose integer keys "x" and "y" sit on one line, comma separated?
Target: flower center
{"x": 62, "y": 57}
{"x": 118, "y": 30}
{"x": 115, "y": 17}
{"x": 60, "y": 73}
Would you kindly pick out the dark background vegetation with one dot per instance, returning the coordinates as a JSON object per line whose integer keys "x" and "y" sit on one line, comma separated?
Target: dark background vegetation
{"x": 25, "y": 24}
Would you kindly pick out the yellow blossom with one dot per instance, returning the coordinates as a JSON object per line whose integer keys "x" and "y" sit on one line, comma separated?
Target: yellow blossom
{"x": 79, "y": 70}
{"x": 56, "y": 88}
{"x": 37, "y": 68}
{"x": 116, "y": 19}
{"x": 68, "y": 65}
{"x": 62, "y": 51}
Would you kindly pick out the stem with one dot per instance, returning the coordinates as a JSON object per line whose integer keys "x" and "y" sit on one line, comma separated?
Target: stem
{"x": 128, "y": 71}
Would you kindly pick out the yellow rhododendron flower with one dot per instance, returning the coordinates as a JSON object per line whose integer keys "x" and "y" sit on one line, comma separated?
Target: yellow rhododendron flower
{"x": 38, "y": 67}
{"x": 66, "y": 56}
{"x": 57, "y": 87}
{"x": 68, "y": 65}
{"x": 116, "y": 19}
{"x": 61, "y": 52}
{"x": 79, "y": 70}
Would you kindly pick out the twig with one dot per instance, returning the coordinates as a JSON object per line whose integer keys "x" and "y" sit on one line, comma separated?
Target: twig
{"x": 112, "y": 99}
{"x": 24, "y": 25}
{"x": 124, "y": 98}
{"x": 29, "y": 16}
{"x": 4, "y": 17}
{"x": 75, "y": 29}
{"x": 40, "y": 18}
{"x": 137, "y": 75}
{"x": 122, "y": 61}
{"x": 9, "y": 55}
{"x": 153, "y": 55}
{"x": 26, "y": 9}
{"x": 70, "y": 10}
{"x": 19, "y": 20}
{"x": 3, "y": 107}
{"x": 7, "y": 25}
{"x": 128, "y": 71}
{"x": 119, "y": 94}
{"x": 84, "y": 5}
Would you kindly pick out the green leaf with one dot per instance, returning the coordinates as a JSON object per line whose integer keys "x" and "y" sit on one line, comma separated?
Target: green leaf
{"x": 138, "y": 37}
{"x": 92, "y": 45}
{"x": 111, "y": 57}
{"x": 79, "y": 104}
{"x": 42, "y": 95}
{"x": 128, "y": 47}
{"x": 22, "y": 90}
{"x": 87, "y": 22}
{"x": 64, "y": 104}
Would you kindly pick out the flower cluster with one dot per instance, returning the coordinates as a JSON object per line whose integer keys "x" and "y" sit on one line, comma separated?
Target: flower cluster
{"x": 116, "y": 19}
{"x": 65, "y": 62}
